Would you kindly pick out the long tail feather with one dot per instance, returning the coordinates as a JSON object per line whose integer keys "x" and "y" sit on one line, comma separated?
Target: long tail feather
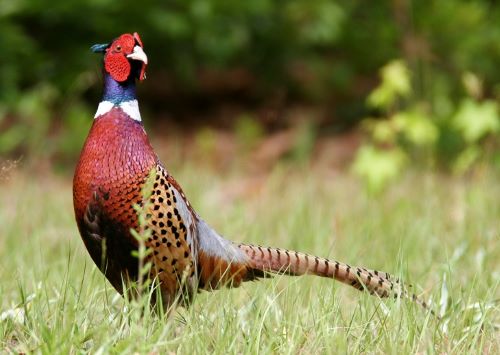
{"x": 284, "y": 261}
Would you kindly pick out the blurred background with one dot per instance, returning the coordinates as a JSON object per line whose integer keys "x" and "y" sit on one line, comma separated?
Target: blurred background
{"x": 370, "y": 88}
{"x": 363, "y": 131}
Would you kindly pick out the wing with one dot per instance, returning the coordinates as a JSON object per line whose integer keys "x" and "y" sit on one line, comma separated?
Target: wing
{"x": 172, "y": 225}
{"x": 104, "y": 240}
{"x": 184, "y": 245}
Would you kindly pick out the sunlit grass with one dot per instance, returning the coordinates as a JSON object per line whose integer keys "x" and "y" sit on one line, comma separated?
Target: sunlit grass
{"x": 439, "y": 234}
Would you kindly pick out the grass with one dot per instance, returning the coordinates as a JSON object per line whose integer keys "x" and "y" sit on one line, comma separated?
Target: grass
{"x": 439, "y": 234}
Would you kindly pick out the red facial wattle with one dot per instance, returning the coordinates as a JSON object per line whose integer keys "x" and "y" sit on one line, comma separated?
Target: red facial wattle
{"x": 116, "y": 62}
{"x": 117, "y": 66}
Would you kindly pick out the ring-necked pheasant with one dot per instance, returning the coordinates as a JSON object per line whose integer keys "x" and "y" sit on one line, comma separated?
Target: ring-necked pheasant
{"x": 187, "y": 253}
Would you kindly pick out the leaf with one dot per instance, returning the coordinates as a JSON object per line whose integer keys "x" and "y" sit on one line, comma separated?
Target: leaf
{"x": 475, "y": 120}
{"x": 395, "y": 83}
{"x": 378, "y": 167}
{"x": 383, "y": 131}
{"x": 418, "y": 128}
{"x": 397, "y": 75}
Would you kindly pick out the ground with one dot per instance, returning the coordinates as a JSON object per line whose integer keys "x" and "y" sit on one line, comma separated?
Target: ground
{"x": 439, "y": 233}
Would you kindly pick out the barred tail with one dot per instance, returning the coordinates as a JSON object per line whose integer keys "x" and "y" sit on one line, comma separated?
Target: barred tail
{"x": 289, "y": 262}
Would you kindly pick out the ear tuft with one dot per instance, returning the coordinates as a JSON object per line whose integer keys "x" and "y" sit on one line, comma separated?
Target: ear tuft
{"x": 138, "y": 39}
{"x": 99, "y": 48}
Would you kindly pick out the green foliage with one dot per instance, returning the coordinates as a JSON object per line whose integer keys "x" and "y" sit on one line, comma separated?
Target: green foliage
{"x": 33, "y": 112}
{"x": 395, "y": 83}
{"x": 318, "y": 23}
{"x": 324, "y": 52}
{"x": 474, "y": 120}
{"x": 378, "y": 167}
{"x": 77, "y": 120}
{"x": 413, "y": 131}
{"x": 416, "y": 127}
{"x": 183, "y": 37}
{"x": 466, "y": 159}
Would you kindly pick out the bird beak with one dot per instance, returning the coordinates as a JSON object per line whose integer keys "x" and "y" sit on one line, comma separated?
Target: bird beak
{"x": 138, "y": 54}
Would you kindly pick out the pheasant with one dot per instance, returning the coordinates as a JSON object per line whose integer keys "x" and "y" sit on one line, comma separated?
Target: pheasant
{"x": 187, "y": 255}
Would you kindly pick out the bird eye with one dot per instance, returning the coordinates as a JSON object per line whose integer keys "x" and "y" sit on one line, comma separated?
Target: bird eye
{"x": 118, "y": 48}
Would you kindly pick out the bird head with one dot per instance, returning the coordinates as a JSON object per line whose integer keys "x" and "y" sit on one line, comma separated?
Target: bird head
{"x": 123, "y": 57}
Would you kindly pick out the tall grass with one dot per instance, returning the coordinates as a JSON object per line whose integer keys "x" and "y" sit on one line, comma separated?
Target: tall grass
{"x": 439, "y": 234}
